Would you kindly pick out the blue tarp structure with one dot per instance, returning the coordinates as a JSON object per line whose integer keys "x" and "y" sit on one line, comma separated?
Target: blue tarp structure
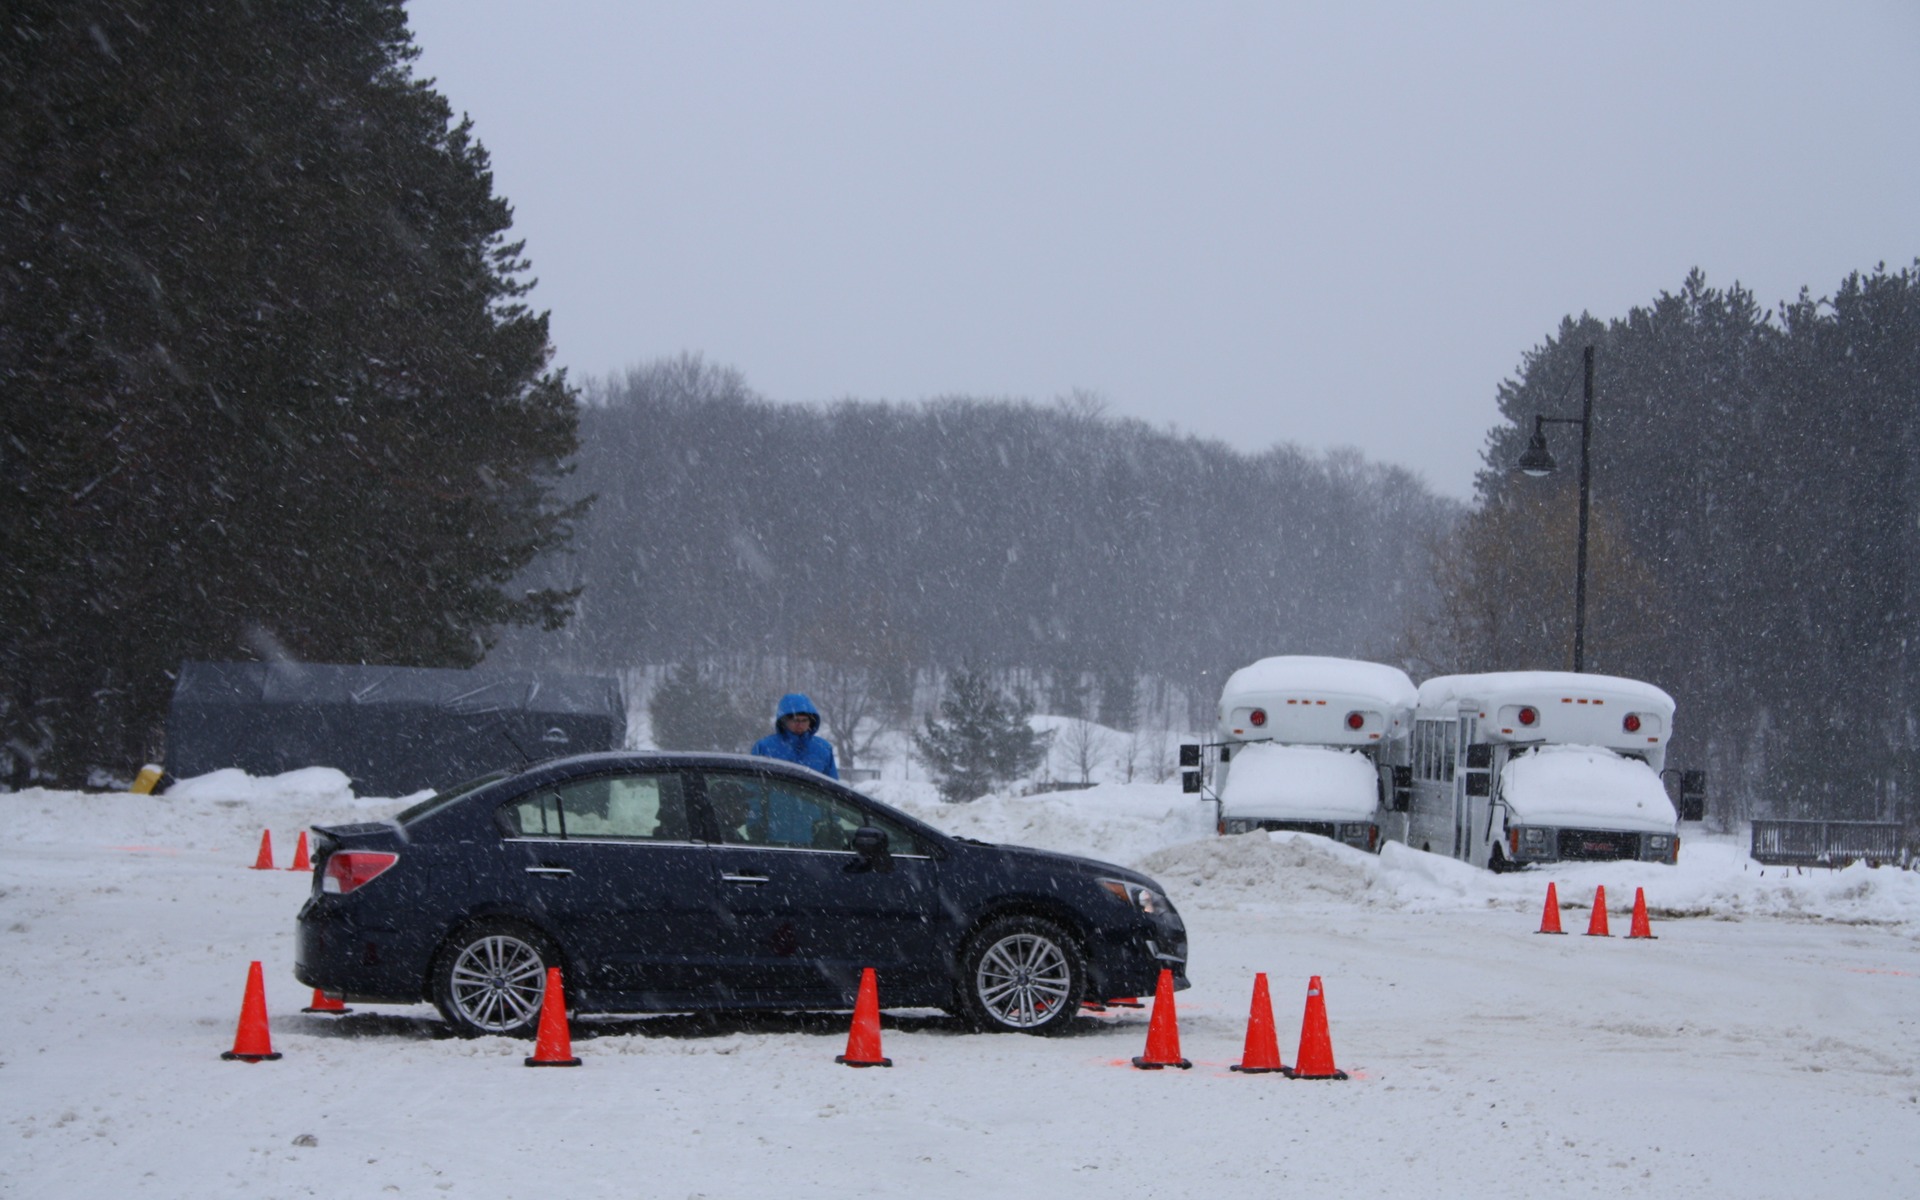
{"x": 393, "y": 730}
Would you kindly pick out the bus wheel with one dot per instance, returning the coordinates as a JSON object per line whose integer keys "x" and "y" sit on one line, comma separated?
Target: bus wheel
{"x": 1498, "y": 864}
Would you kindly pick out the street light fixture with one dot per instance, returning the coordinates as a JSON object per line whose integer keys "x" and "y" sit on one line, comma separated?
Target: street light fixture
{"x": 1537, "y": 461}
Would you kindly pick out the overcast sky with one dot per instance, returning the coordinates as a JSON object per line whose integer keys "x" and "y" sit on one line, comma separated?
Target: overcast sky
{"x": 1327, "y": 224}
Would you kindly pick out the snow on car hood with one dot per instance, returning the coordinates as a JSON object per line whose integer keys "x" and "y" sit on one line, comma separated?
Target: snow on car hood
{"x": 1586, "y": 787}
{"x": 1300, "y": 783}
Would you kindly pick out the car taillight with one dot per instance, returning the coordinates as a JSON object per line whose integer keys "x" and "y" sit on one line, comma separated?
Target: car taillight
{"x": 1632, "y": 723}
{"x": 1356, "y": 719}
{"x": 1259, "y": 718}
{"x": 1529, "y": 715}
{"x": 350, "y": 869}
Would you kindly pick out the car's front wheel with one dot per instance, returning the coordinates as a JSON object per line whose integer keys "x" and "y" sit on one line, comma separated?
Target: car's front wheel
{"x": 1022, "y": 974}
{"x": 491, "y": 978}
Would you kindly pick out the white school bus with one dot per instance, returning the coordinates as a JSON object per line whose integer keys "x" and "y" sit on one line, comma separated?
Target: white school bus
{"x": 1519, "y": 767}
{"x": 1308, "y": 744}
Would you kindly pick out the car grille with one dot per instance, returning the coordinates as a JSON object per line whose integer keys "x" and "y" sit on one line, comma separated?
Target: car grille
{"x": 1595, "y": 845}
{"x": 1323, "y": 828}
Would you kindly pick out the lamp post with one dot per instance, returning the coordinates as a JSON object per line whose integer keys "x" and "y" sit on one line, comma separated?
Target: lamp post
{"x": 1537, "y": 462}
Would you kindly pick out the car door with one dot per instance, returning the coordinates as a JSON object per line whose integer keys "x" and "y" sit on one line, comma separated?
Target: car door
{"x": 801, "y": 912}
{"x": 611, "y": 867}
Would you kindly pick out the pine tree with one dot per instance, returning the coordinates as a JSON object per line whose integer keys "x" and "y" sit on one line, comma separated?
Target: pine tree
{"x": 269, "y": 385}
{"x": 691, "y": 711}
{"x": 980, "y": 739}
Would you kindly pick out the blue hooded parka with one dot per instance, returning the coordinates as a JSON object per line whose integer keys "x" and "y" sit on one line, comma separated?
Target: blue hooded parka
{"x": 808, "y": 749}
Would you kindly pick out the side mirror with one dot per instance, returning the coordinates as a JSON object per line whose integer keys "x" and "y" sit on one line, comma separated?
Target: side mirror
{"x": 1479, "y": 756}
{"x": 871, "y": 845}
{"x": 1402, "y": 789}
{"x": 1693, "y": 795}
{"x": 1190, "y": 768}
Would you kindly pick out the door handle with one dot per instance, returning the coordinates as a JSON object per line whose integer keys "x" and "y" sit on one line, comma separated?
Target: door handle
{"x": 550, "y": 872}
{"x": 755, "y": 880}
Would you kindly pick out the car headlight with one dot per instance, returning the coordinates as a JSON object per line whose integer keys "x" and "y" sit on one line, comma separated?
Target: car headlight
{"x": 1138, "y": 895}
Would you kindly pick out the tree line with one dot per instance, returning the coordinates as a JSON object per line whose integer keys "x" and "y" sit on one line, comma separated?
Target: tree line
{"x": 1091, "y": 556}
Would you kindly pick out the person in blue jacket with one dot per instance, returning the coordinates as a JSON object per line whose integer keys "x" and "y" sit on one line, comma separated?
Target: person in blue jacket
{"x": 796, "y": 736}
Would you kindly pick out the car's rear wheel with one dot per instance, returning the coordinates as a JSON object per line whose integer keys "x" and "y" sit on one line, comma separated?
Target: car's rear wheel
{"x": 491, "y": 978}
{"x": 1022, "y": 975}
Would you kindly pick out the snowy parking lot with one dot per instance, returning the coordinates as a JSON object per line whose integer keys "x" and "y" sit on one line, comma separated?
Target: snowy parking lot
{"x": 1763, "y": 1044}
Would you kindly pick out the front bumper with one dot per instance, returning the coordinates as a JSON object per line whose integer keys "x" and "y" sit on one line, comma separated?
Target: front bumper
{"x": 1546, "y": 843}
{"x": 1361, "y": 835}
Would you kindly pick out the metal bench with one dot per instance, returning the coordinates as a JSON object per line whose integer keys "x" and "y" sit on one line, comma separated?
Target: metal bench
{"x": 1829, "y": 843}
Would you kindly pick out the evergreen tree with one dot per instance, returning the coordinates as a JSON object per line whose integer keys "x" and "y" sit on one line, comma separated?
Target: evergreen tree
{"x": 269, "y": 385}
{"x": 691, "y": 711}
{"x": 980, "y": 739}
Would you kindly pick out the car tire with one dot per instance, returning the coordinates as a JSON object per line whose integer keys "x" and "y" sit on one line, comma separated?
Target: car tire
{"x": 490, "y": 979}
{"x": 1021, "y": 974}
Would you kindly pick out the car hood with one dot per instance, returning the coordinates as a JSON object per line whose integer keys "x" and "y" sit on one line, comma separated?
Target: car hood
{"x": 1074, "y": 863}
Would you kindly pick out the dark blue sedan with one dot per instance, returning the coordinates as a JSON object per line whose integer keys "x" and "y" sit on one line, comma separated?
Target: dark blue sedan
{"x": 678, "y": 882}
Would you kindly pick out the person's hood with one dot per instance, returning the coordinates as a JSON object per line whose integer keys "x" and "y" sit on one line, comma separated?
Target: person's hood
{"x": 791, "y": 703}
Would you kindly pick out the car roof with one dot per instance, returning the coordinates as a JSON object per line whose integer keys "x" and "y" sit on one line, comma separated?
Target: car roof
{"x": 573, "y": 766}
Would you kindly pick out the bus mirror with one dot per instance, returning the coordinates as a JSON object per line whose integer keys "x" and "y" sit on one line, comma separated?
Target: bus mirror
{"x": 1693, "y": 795}
{"x": 1190, "y": 780}
{"x": 1479, "y": 758}
{"x": 1226, "y": 753}
{"x": 1189, "y": 754}
{"x": 1402, "y": 789}
{"x": 1479, "y": 783}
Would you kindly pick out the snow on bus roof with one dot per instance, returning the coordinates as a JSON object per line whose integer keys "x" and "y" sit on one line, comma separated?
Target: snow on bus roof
{"x": 1443, "y": 689}
{"x": 1306, "y": 672}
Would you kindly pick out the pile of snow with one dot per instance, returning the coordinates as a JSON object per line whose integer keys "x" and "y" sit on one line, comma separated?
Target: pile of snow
{"x": 1157, "y": 829}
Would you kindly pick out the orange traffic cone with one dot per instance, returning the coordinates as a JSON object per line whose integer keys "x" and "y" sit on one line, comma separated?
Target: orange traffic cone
{"x": 1262, "y": 1052}
{"x": 265, "y": 860}
{"x": 300, "y": 860}
{"x": 1315, "y": 1060}
{"x": 554, "y": 1047}
{"x": 863, "y": 1039}
{"x": 1550, "y": 919}
{"x": 1163, "y": 1030}
{"x": 1597, "y": 926}
{"x": 1641, "y": 927}
{"x": 323, "y": 1003}
{"x": 252, "y": 1042}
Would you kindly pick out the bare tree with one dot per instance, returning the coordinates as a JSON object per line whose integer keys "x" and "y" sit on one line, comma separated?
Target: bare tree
{"x": 1127, "y": 759}
{"x": 1085, "y": 744}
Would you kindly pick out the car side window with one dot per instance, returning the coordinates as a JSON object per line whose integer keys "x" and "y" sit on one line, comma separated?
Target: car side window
{"x": 761, "y": 811}
{"x": 619, "y": 807}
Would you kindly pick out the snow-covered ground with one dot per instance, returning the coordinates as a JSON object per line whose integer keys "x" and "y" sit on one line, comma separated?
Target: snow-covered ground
{"x": 1766, "y": 1044}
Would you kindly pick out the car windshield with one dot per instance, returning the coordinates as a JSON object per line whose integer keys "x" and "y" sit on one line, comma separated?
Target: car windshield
{"x": 439, "y": 800}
